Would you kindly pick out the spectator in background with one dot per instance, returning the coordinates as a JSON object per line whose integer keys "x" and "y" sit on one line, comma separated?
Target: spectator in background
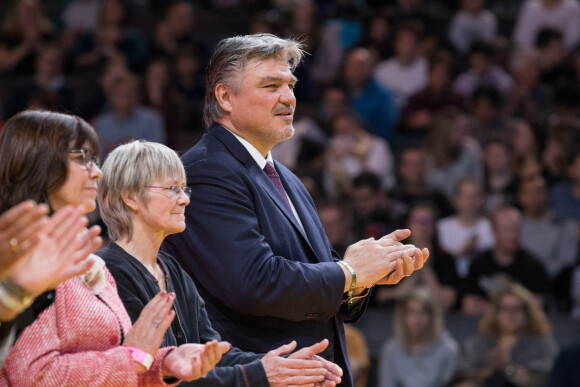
{"x": 336, "y": 219}
{"x": 308, "y": 142}
{"x": 378, "y": 35}
{"x": 560, "y": 145}
{"x": 417, "y": 116}
{"x": 353, "y": 150}
{"x": 174, "y": 30}
{"x": 330, "y": 54}
{"x": 467, "y": 232}
{"x": 79, "y": 17}
{"x": 487, "y": 120}
{"x": 525, "y": 142}
{"x": 375, "y": 105}
{"x": 451, "y": 154}
{"x": 420, "y": 338}
{"x": 127, "y": 119}
{"x": 482, "y": 72}
{"x": 530, "y": 168}
{"x": 505, "y": 262}
{"x": 552, "y": 238}
{"x": 374, "y": 214}
{"x": 562, "y": 15}
{"x": 412, "y": 185}
{"x": 93, "y": 99}
{"x": 305, "y": 22}
{"x": 112, "y": 39}
{"x": 473, "y": 23}
{"x": 187, "y": 76}
{"x": 47, "y": 79}
{"x": 158, "y": 92}
{"x": 565, "y": 197}
{"x": 406, "y": 73}
{"x": 514, "y": 346}
{"x": 500, "y": 184}
{"x": 439, "y": 275}
{"x": 267, "y": 22}
{"x": 528, "y": 99}
{"x": 24, "y": 28}
{"x": 412, "y": 11}
{"x": 334, "y": 99}
{"x": 555, "y": 71}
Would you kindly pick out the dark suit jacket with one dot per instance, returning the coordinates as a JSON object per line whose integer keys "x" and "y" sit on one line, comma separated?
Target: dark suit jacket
{"x": 265, "y": 281}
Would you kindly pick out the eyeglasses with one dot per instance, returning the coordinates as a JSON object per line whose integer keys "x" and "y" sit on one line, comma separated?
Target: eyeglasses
{"x": 175, "y": 189}
{"x": 86, "y": 158}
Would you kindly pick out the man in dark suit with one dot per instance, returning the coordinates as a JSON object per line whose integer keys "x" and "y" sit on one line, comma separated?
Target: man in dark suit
{"x": 254, "y": 244}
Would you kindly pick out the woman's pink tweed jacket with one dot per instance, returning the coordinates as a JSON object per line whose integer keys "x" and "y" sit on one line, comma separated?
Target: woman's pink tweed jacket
{"x": 77, "y": 342}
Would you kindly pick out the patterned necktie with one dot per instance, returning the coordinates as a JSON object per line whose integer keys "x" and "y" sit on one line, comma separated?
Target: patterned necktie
{"x": 273, "y": 175}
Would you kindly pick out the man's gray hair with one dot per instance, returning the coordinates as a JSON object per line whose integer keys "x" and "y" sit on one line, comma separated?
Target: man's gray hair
{"x": 229, "y": 61}
{"x": 128, "y": 169}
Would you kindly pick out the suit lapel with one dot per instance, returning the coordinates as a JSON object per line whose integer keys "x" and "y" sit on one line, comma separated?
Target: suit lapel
{"x": 311, "y": 229}
{"x": 240, "y": 153}
{"x": 266, "y": 184}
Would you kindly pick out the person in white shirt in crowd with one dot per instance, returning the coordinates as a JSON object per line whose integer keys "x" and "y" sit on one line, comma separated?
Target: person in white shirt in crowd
{"x": 534, "y": 15}
{"x": 451, "y": 153}
{"x": 551, "y": 238}
{"x": 468, "y": 232}
{"x": 420, "y": 338}
{"x": 500, "y": 184}
{"x": 473, "y": 23}
{"x": 353, "y": 150}
{"x": 407, "y": 72}
{"x": 482, "y": 72}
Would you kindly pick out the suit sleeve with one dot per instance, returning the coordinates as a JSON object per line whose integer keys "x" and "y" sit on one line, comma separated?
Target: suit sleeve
{"x": 225, "y": 249}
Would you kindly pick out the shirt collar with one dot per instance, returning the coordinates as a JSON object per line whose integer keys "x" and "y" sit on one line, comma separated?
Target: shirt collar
{"x": 256, "y": 155}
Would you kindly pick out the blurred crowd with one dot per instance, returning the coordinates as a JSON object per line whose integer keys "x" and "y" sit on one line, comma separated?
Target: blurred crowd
{"x": 459, "y": 120}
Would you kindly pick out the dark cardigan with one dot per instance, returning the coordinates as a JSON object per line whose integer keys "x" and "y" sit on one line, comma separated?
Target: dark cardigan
{"x": 136, "y": 287}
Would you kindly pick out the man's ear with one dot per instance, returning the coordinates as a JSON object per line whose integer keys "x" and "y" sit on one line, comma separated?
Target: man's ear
{"x": 129, "y": 201}
{"x": 223, "y": 94}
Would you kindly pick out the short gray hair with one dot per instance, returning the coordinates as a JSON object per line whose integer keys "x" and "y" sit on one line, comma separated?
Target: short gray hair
{"x": 231, "y": 57}
{"x": 128, "y": 169}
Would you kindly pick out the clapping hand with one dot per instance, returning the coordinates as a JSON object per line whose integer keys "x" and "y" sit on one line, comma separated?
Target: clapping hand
{"x": 19, "y": 230}
{"x": 57, "y": 252}
{"x": 302, "y": 367}
{"x": 193, "y": 361}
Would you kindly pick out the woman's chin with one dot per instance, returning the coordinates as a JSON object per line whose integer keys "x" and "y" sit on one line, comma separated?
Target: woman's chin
{"x": 90, "y": 207}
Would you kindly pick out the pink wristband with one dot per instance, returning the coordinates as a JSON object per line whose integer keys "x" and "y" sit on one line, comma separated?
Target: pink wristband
{"x": 141, "y": 357}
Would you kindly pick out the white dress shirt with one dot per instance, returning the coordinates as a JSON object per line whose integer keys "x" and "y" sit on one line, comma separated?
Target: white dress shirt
{"x": 261, "y": 161}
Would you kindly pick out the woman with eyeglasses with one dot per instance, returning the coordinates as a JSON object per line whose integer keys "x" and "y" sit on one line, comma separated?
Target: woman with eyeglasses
{"x": 82, "y": 334}
{"x": 514, "y": 346}
{"x": 142, "y": 199}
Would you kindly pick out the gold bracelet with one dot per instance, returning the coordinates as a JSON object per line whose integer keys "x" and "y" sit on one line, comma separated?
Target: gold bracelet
{"x": 352, "y": 282}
